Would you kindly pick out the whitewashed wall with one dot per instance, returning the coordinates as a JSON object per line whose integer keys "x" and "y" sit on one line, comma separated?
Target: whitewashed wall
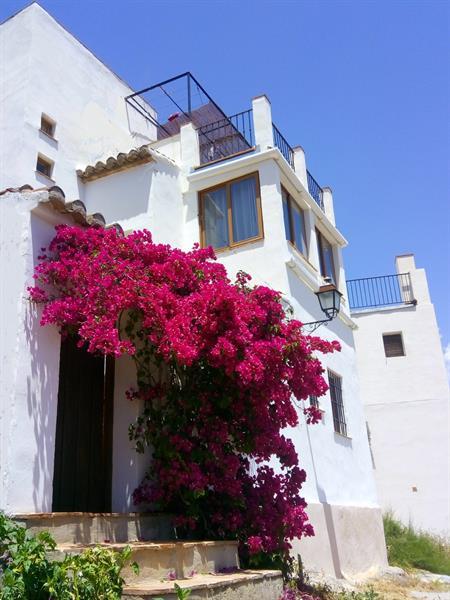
{"x": 29, "y": 361}
{"x": 408, "y": 407}
{"x": 44, "y": 69}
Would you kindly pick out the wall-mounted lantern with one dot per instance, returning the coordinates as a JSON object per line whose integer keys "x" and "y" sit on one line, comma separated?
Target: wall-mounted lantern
{"x": 330, "y": 302}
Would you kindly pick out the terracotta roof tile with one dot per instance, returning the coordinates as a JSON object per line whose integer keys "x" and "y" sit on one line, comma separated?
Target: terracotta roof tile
{"x": 56, "y": 199}
{"x": 116, "y": 163}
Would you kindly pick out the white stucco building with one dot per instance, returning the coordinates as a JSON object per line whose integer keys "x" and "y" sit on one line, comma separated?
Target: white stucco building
{"x": 68, "y": 121}
{"x": 405, "y": 392}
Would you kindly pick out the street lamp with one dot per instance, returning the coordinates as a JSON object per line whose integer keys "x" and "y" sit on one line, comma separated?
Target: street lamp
{"x": 330, "y": 303}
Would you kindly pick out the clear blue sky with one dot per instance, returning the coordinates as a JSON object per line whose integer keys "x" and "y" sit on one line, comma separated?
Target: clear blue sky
{"x": 363, "y": 86}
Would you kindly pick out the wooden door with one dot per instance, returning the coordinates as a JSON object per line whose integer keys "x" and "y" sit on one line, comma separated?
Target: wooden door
{"x": 83, "y": 445}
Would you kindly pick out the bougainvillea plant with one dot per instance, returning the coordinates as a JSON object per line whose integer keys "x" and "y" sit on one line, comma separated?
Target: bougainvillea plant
{"x": 219, "y": 369}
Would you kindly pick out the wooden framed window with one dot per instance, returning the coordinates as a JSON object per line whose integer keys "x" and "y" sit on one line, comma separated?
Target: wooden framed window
{"x": 230, "y": 213}
{"x": 326, "y": 259}
{"x": 44, "y": 166}
{"x": 48, "y": 125}
{"x": 294, "y": 222}
{"x": 337, "y": 403}
{"x": 393, "y": 344}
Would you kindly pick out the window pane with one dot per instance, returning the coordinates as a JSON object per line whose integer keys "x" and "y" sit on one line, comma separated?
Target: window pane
{"x": 326, "y": 257}
{"x": 216, "y": 220}
{"x": 244, "y": 210}
{"x": 286, "y": 215}
{"x": 299, "y": 227}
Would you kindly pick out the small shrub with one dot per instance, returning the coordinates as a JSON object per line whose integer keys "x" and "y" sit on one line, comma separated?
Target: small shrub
{"x": 412, "y": 549}
{"x": 26, "y": 571}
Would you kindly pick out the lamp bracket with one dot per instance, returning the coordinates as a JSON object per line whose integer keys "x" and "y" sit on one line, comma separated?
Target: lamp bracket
{"x": 316, "y": 324}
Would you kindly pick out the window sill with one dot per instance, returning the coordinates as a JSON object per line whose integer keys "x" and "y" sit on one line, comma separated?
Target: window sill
{"x": 46, "y": 177}
{"x": 342, "y": 435}
{"x": 302, "y": 257}
{"x": 47, "y": 135}
{"x": 237, "y": 246}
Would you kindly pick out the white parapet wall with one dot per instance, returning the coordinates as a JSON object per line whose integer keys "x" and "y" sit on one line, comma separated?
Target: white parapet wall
{"x": 407, "y": 406}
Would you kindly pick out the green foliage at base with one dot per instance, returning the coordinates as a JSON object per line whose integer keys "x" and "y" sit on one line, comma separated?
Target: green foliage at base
{"x": 28, "y": 571}
{"x": 412, "y": 549}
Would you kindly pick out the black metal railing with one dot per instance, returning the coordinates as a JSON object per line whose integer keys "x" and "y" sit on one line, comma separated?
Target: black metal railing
{"x": 283, "y": 146}
{"x": 226, "y": 137}
{"x": 386, "y": 290}
{"x": 315, "y": 190}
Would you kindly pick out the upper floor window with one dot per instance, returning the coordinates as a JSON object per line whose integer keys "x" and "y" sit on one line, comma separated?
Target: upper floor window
{"x": 294, "y": 222}
{"x": 325, "y": 257}
{"x": 393, "y": 344}
{"x": 337, "y": 403}
{"x": 230, "y": 213}
{"x": 44, "y": 165}
{"x": 48, "y": 125}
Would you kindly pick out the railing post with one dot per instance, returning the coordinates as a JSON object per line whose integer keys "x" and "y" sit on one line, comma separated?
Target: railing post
{"x": 300, "y": 165}
{"x": 262, "y": 122}
{"x": 190, "y": 153}
{"x": 328, "y": 207}
{"x": 407, "y": 264}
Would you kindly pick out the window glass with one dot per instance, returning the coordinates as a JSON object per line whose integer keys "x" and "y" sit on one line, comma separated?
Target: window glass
{"x": 44, "y": 166}
{"x": 244, "y": 210}
{"x": 47, "y": 126}
{"x": 337, "y": 403}
{"x": 298, "y": 226}
{"x": 216, "y": 218}
{"x": 231, "y": 214}
{"x": 326, "y": 257}
{"x": 286, "y": 215}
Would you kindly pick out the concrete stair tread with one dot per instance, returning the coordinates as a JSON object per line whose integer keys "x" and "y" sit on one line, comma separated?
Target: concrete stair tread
{"x": 64, "y": 515}
{"x": 151, "y": 545}
{"x": 200, "y": 581}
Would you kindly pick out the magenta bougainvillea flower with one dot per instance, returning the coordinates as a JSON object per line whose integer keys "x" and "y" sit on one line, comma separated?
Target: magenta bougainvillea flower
{"x": 219, "y": 367}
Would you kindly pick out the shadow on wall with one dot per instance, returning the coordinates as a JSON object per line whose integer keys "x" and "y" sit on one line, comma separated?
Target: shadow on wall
{"x": 42, "y": 379}
{"x": 331, "y": 530}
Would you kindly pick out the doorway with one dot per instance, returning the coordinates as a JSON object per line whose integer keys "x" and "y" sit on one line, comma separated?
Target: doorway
{"x": 83, "y": 444}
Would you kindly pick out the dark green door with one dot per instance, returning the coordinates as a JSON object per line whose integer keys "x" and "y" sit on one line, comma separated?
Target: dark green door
{"x": 83, "y": 445}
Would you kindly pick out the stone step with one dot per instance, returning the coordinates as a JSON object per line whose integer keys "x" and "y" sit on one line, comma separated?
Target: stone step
{"x": 94, "y": 528}
{"x": 240, "y": 585}
{"x": 165, "y": 560}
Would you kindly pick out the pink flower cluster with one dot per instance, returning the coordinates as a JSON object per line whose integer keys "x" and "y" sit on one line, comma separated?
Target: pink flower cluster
{"x": 217, "y": 365}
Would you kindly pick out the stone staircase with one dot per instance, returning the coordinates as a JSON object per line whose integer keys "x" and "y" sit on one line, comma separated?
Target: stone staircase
{"x": 210, "y": 569}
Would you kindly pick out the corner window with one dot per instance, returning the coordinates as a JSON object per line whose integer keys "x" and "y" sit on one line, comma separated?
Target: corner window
{"x": 326, "y": 257}
{"x": 230, "y": 214}
{"x": 393, "y": 344}
{"x": 44, "y": 166}
{"x": 294, "y": 222}
{"x": 337, "y": 403}
{"x": 48, "y": 125}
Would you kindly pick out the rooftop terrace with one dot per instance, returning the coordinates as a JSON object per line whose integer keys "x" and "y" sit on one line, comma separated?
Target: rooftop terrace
{"x": 182, "y": 99}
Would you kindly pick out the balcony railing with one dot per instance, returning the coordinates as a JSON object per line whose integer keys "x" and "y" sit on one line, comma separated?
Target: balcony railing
{"x": 283, "y": 146}
{"x": 315, "y": 190}
{"x": 228, "y": 136}
{"x": 386, "y": 290}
